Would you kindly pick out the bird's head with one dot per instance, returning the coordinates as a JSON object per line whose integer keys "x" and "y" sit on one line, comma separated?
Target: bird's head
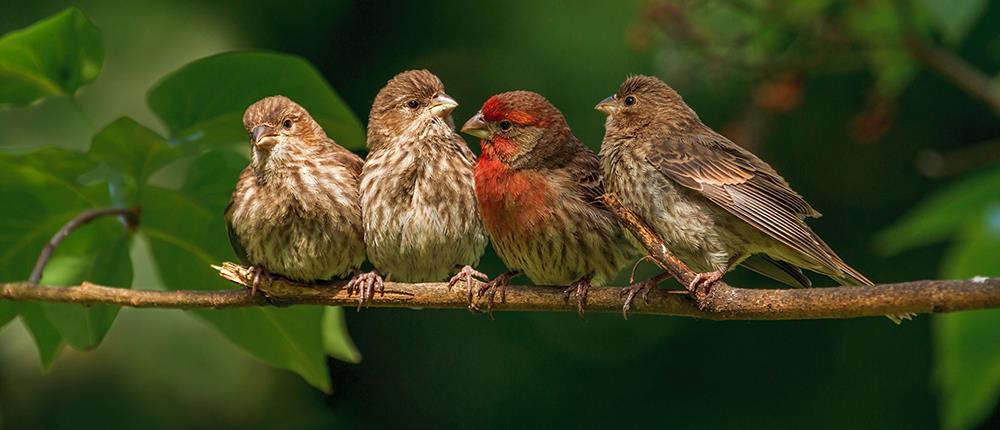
{"x": 643, "y": 100}
{"x": 521, "y": 129}
{"x": 278, "y": 129}
{"x": 412, "y": 104}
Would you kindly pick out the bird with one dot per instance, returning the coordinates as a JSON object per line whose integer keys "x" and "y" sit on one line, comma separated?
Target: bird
{"x": 418, "y": 201}
{"x": 715, "y": 204}
{"x": 539, "y": 190}
{"x": 295, "y": 211}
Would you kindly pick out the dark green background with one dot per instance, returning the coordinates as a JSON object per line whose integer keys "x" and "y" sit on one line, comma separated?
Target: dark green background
{"x": 454, "y": 369}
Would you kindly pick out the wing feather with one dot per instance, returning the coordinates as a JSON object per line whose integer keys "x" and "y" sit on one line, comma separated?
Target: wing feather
{"x": 747, "y": 187}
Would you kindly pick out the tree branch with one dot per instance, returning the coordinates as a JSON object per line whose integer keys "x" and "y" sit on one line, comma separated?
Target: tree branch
{"x": 131, "y": 219}
{"x": 721, "y": 302}
{"x": 736, "y": 304}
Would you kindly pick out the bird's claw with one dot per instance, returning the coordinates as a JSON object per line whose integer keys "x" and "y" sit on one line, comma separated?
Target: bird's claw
{"x": 640, "y": 289}
{"x": 258, "y": 276}
{"x": 365, "y": 284}
{"x": 497, "y": 285}
{"x": 468, "y": 274}
{"x": 580, "y": 287}
{"x": 702, "y": 283}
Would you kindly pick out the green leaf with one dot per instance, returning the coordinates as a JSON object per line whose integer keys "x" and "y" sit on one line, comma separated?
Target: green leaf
{"x": 943, "y": 214}
{"x": 132, "y": 149}
{"x": 186, "y": 231}
{"x": 45, "y": 185}
{"x": 336, "y": 340}
{"x": 967, "y": 346}
{"x": 954, "y": 18}
{"x": 55, "y": 56}
{"x": 47, "y": 338}
{"x": 204, "y": 101}
{"x": 7, "y": 312}
{"x": 97, "y": 253}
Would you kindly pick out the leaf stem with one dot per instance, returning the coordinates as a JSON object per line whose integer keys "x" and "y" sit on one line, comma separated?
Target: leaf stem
{"x": 131, "y": 216}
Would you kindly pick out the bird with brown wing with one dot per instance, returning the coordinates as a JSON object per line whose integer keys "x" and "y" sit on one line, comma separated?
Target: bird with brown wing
{"x": 539, "y": 192}
{"x": 295, "y": 211}
{"x": 417, "y": 197}
{"x": 714, "y": 204}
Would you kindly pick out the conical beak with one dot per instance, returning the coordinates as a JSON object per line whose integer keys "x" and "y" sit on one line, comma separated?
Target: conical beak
{"x": 442, "y": 105}
{"x": 475, "y": 126}
{"x": 263, "y": 137}
{"x": 607, "y": 106}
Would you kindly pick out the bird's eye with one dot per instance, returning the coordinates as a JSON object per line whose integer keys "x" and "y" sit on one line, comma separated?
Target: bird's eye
{"x": 629, "y": 101}
{"x": 504, "y": 125}
{"x": 287, "y": 124}
{"x": 412, "y": 104}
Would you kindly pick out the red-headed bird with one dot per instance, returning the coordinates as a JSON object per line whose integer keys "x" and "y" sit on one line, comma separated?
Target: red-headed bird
{"x": 539, "y": 193}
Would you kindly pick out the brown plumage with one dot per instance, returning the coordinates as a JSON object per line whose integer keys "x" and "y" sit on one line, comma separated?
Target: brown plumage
{"x": 539, "y": 193}
{"x": 419, "y": 206}
{"x": 714, "y": 203}
{"x": 295, "y": 211}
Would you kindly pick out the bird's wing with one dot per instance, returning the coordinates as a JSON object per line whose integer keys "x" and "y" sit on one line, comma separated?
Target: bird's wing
{"x": 585, "y": 169}
{"x": 747, "y": 187}
{"x": 234, "y": 240}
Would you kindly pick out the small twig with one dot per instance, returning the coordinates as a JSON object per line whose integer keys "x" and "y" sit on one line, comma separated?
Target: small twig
{"x": 658, "y": 251}
{"x": 958, "y": 71}
{"x": 130, "y": 215}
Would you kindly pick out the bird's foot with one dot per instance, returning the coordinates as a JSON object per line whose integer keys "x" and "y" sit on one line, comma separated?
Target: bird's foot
{"x": 468, "y": 274}
{"x": 581, "y": 287}
{"x": 640, "y": 289}
{"x": 497, "y": 285}
{"x": 702, "y": 283}
{"x": 259, "y": 276}
{"x": 364, "y": 284}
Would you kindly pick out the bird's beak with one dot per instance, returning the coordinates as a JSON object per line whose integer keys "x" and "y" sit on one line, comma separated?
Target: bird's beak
{"x": 475, "y": 126}
{"x": 263, "y": 137}
{"x": 442, "y": 105}
{"x": 607, "y": 106}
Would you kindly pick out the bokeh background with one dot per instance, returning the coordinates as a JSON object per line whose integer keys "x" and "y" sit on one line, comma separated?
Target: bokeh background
{"x": 829, "y": 95}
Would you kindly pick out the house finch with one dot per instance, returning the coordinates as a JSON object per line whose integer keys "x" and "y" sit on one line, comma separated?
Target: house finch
{"x": 417, "y": 197}
{"x": 713, "y": 203}
{"x": 295, "y": 211}
{"x": 539, "y": 192}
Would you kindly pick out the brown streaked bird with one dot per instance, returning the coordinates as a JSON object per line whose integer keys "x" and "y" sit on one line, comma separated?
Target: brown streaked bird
{"x": 295, "y": 211}
{"x": 715, "y": 204}
{"x": 539, "y": 192}
{"x": 417, "y": 195}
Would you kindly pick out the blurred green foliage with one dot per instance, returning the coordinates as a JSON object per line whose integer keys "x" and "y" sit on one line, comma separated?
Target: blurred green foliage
{"x": 824, "y": 90}
{"x": 968, "y": 344}
{"x": 56, "y": 56}
{"x": 201, "y": 104}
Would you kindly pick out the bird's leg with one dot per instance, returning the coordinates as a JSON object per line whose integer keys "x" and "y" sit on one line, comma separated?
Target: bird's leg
{"x": 580, "y": 287}
{"x": 641, "y": 288}
{"x": 498, "y": 284}
{"x": 468, "y": 274}
{"x": 364, "y": 284}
